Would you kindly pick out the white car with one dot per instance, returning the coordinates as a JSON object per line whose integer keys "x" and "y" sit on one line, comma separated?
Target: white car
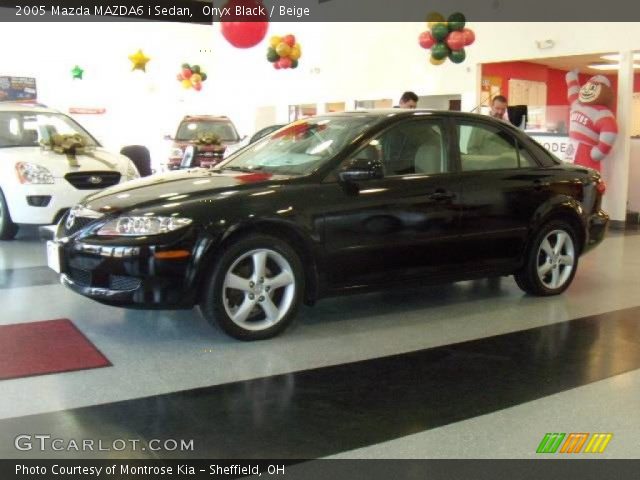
{"x": 37, "y": 184}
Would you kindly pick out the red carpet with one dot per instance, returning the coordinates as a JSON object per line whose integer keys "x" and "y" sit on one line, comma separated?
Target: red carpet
{"x": 39, "y": 348}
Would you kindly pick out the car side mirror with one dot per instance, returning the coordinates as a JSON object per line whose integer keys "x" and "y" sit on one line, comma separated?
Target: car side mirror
{"x": 168, "y": 137}
{"x": 365, "y": 166}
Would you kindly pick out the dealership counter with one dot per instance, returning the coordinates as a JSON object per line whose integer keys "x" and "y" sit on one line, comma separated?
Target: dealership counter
{"x": 558, "y": 144}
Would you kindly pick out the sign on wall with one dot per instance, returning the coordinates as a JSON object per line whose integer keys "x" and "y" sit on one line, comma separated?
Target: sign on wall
{"x": 558, "y": 145}
{"x": 17, "y": 89}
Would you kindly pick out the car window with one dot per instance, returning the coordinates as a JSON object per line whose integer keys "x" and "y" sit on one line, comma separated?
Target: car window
{"x": 485, "y": 147}
{"x": 301, "y": 147}
{"x": 192, "y": 130}
{"x": 26, "y": 129}
{"x": 413, "y": 147}
{"x": 526, "y": 159}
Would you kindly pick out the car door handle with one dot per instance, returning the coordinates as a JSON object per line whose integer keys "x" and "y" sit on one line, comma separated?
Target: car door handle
{"x": 539, "y": 184}
{"x": 441, "y": 195}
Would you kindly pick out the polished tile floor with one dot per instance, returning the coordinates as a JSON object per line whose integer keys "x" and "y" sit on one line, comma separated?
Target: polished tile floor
{"x": 471, "y": 370}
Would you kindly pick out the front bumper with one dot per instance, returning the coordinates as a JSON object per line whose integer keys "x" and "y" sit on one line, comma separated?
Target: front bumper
{"x": 62, "y": 195}
{"x": 597, "y": 226}
{"x": 133, "y": 275}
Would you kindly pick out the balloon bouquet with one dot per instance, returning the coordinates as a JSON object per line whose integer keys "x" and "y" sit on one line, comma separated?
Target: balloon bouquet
{"x": 191, "y": 76}
{"x": 446, "y": 38}
{"x": 284, "y": 52}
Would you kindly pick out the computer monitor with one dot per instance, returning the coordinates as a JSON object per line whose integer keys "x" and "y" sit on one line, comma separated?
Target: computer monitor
{"x": 518, "y": 115}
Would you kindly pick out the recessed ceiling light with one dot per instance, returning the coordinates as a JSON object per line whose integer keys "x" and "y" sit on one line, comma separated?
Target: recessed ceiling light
{"x": 609, "y": 66}
{"x": 615, "y": 57}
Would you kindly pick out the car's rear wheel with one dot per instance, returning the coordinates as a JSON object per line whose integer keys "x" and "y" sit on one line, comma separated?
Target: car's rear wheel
{"x": 256, "y": 288}
{"x": 8, "y": 229}
{"x": 552, "y": 261}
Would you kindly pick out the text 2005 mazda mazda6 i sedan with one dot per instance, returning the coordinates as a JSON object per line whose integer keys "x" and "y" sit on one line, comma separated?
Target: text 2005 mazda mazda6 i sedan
{"x": 331, "y": 204}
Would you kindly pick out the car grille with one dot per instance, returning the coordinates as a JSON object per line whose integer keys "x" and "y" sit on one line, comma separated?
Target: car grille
{"x": 78, "y": 224}
{"x": 92, "y": 180}
{"x": 80, "y": 277}
{"x": 120, "y": 282}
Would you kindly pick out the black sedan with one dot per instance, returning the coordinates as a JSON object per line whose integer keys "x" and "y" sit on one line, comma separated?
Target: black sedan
{"x": 332, "y": 204}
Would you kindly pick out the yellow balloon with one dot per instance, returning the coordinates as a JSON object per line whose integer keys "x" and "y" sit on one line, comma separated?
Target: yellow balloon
{"x": 435, "y": 17}
{"x": 295, "y": 53}
{"x": 186, "y": 84}
{"x": 437, "y": 62}
{"x": 283, "y": 49}
{"x": 275, "y": 41}
{"x": 195, "y": 78}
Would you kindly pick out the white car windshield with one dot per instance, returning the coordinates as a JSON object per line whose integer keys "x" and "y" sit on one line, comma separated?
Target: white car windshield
{"x": 29, "y": 129}
{"x": 300, "y": 147}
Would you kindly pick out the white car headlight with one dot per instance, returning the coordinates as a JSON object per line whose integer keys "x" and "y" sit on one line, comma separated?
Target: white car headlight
{"x": 132, "y": 172}
{"x": 33, "y": 173}
{"x": 148, "y": 225}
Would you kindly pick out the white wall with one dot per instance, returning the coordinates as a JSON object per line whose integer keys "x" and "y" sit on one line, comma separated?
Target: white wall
{"x": 141, "y": 107}
{"x": 340, "y": 62}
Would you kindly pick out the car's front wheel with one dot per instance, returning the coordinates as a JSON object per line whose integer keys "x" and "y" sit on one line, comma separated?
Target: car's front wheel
{"x": 552, "y": 260}
{"x": 8, "y": 229}
{"x": 256, "y": 288}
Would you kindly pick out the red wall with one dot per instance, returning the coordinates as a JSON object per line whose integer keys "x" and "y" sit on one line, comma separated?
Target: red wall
{"x": 554, "y": 78}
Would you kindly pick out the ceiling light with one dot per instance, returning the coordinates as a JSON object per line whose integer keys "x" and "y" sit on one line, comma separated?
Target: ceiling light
{"x": 609, "y": 66}
{"x": 615, "y": 57}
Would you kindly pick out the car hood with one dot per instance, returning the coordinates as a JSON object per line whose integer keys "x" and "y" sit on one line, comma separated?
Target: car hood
{"x": 177, "y": 186}
{"x": 59, "y": 165}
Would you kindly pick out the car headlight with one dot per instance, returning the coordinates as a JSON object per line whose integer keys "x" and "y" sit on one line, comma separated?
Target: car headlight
{"x": 148, "y": 225}
{"x": 132, "y": 172}
{"x": 33, "y": 173}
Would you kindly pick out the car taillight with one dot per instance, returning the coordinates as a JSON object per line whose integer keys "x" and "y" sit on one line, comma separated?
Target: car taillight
{"x": 601, "y": 187}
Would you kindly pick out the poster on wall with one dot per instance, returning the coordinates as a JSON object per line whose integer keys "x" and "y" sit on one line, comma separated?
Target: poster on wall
{"x": 17, "y": 89}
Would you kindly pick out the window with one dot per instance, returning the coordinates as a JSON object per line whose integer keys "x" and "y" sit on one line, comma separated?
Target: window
{"x": 191, "y": 130}
{"x": 413, "y": 147}
{"x": 526, "y": 159}
{"x": 483, "y": 147}
{"x": 26, "y": 129}
{"x": 300, "y": 147}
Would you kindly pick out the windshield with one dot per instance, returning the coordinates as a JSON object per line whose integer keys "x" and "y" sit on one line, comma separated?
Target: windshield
{"x": 28, "y": 129}
{"x": 192, "y": 130}
{"x": 300, "y": 147}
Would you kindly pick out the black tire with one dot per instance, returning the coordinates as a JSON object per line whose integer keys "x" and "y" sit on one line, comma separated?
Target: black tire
{"x": 140, "y": 157}
{"x": 8, "y": 229}
{"x": 528, "y": 278}
{"x": 218, "y": 300}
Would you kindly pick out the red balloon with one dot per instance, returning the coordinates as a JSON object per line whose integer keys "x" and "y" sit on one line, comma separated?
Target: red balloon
{"x": 289, "y": 40}
{"x": 197, "y": 87}
{"x": 276, "y": 65}
{"x": 455, "y": 40}
{"x": 244, "y": 34}
{"x": 285, "y": 62}
{"x": 426, "y": 39}
{"x": 186, "y": 73}
{"x": 468, "y": 35}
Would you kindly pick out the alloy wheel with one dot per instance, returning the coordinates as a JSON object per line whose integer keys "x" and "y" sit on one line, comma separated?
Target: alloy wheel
{"x": 556, "y": 259}
{"x": 259, "y": 289}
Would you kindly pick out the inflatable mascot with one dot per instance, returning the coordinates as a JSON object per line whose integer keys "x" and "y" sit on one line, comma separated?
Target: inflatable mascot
{"x": 592, "y": 128}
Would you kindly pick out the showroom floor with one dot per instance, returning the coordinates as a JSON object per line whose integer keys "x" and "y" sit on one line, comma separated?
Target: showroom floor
{"x": 468, "y": 370}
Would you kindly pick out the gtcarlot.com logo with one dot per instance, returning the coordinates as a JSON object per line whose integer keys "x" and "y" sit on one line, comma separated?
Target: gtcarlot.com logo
{"x": 44, "y": 443}
{"x": 574, "y": 442}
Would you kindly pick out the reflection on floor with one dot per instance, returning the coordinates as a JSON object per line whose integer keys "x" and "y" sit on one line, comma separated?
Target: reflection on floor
{"x": 474, "y": 369}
